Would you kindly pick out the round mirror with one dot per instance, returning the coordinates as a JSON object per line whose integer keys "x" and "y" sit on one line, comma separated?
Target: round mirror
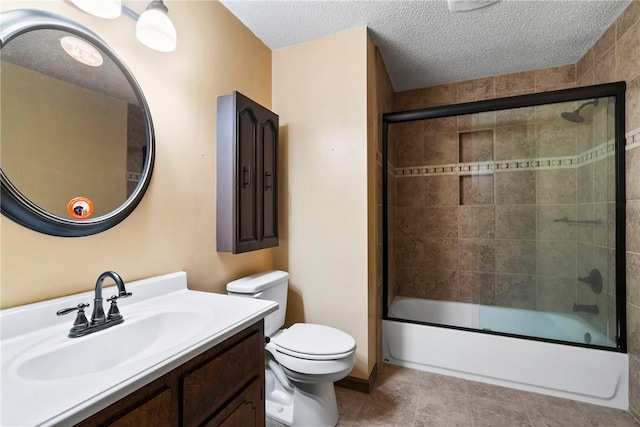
{"x": 77, "y": 144}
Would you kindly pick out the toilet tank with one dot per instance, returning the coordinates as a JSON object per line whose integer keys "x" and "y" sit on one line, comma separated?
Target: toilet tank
{"x": 270, "y": 285}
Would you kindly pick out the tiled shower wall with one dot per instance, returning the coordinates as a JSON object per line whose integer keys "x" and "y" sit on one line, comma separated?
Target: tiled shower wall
{"x": 615, "y": 57}
{"x": 496, "y": 235}
{"x": 136, "y": 140}
{"x": 449, "y": 253}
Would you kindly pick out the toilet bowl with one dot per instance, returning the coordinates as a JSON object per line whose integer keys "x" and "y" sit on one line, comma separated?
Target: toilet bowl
{"x": 302, "y": 361}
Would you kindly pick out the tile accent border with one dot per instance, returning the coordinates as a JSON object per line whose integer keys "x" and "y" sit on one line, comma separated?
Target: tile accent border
{"x": 489, "y": 167}
{"x": 133, "y": 176}
{"x": 632, "y": 139}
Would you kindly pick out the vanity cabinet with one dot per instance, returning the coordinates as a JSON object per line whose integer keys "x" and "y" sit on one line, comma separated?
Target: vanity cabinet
{"x": 224, "y": 386}
{"x": 247, "y": 184}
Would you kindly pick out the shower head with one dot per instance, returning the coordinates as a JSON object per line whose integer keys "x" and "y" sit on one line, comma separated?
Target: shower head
{"x": 574, "y": 116}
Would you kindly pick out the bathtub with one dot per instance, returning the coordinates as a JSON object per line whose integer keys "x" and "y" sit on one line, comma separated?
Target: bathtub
{"x": 584, "y": 374}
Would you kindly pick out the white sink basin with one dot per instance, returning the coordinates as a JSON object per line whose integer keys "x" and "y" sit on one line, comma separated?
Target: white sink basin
{"x": 141, "y": 335}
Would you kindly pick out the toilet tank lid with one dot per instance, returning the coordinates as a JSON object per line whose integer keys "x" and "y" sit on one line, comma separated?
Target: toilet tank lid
{"x": 257, "y": 282}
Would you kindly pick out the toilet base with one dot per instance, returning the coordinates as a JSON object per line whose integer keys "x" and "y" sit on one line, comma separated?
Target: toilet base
{"x": 299, "y": 404}
{"x": 311, "y": 405}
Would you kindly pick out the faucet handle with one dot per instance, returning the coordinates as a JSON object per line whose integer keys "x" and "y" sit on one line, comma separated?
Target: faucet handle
{"x": 114, "y": 313}
{"x": 113, "y": 298}
{"x": 80, "y": 309}
{"x": 81, "y": 323}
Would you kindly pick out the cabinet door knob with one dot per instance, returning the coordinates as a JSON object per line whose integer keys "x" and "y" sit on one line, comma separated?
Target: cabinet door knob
{"x": 246, "y": 176}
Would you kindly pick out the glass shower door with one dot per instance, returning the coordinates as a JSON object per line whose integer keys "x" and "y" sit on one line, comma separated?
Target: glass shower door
{"x": 504, "y": 220}
{"x": 554, "y": 188}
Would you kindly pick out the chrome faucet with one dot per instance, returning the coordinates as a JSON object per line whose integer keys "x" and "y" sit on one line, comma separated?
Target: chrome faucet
{"x": 99, "y": 321}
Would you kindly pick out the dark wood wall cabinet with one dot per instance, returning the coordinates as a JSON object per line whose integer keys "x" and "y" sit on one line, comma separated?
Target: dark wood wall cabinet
{"x": 223, "y": 386}
{"x": 247, "y": 184}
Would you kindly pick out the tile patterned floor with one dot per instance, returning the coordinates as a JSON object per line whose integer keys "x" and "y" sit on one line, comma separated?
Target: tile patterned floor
{"x": 406, "y": 398}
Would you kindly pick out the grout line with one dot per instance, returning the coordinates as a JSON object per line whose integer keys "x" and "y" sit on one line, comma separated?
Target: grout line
{"x": 415, "y": 405}
{"x": 632, "y": 412}
{"x": 470, "y": 411}
{"x": 584, "y": 415}
{"x": 526, "y": 411}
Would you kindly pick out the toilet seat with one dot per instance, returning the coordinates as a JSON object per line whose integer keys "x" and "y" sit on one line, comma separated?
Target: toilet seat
{"x": 314, "y": 342}
{"x": 317, "y": 350}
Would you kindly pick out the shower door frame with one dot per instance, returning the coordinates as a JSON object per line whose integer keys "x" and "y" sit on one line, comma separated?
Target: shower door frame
{"x": 616, "y": 90}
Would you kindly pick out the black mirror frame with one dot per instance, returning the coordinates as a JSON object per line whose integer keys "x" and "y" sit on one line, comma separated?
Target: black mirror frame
{"x": 14, "y": 204}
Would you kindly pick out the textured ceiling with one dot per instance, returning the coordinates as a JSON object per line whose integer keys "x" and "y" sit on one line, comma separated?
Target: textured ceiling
{"x": 423, "y": 44}
{"x": 40, "y": 51}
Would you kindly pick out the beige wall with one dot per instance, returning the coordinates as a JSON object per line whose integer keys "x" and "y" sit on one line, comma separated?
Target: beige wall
{"x": 216, "y": 54}
{"x": 320, "y": 92}
{"x": 62, "y": 141}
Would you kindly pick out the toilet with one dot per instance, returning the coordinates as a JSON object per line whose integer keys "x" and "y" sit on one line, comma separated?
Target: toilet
{"x": 302, "y": 361}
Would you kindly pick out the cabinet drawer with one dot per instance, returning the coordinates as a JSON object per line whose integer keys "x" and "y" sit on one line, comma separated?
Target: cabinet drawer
{"x": 155, "y": 404}
{"x": 209, "y": 386}
{"x": 155, "y": 412}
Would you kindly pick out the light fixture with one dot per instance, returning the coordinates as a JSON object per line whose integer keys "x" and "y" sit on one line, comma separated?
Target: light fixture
{"x": 154, "y": 28}
{"x": 109, "y": 9}
{"x": 81, "y": 51}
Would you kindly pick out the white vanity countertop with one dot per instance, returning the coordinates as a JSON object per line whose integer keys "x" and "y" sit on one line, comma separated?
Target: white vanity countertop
{"x": 50, "y": 379}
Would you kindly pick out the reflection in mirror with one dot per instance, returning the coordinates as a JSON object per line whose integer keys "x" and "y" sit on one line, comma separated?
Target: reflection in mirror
{"x": 69, "y": 128}
{"x": 77, "y": 146}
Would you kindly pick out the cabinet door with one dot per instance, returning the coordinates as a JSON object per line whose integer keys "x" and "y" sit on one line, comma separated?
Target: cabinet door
{"x": 247, "y": 128}
{"x": 157, "y": 411}
{"x": 154, "y": 404}
{"x": 246, "y": 410}
{"x": 269, "y": 191}
{"x": 207, "y": 387}
{"x": 247, "y": 164}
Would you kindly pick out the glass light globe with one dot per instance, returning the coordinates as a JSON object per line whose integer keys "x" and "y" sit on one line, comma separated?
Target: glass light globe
{"x": 155, "y": 30}
{"x": 109, "y": 9}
